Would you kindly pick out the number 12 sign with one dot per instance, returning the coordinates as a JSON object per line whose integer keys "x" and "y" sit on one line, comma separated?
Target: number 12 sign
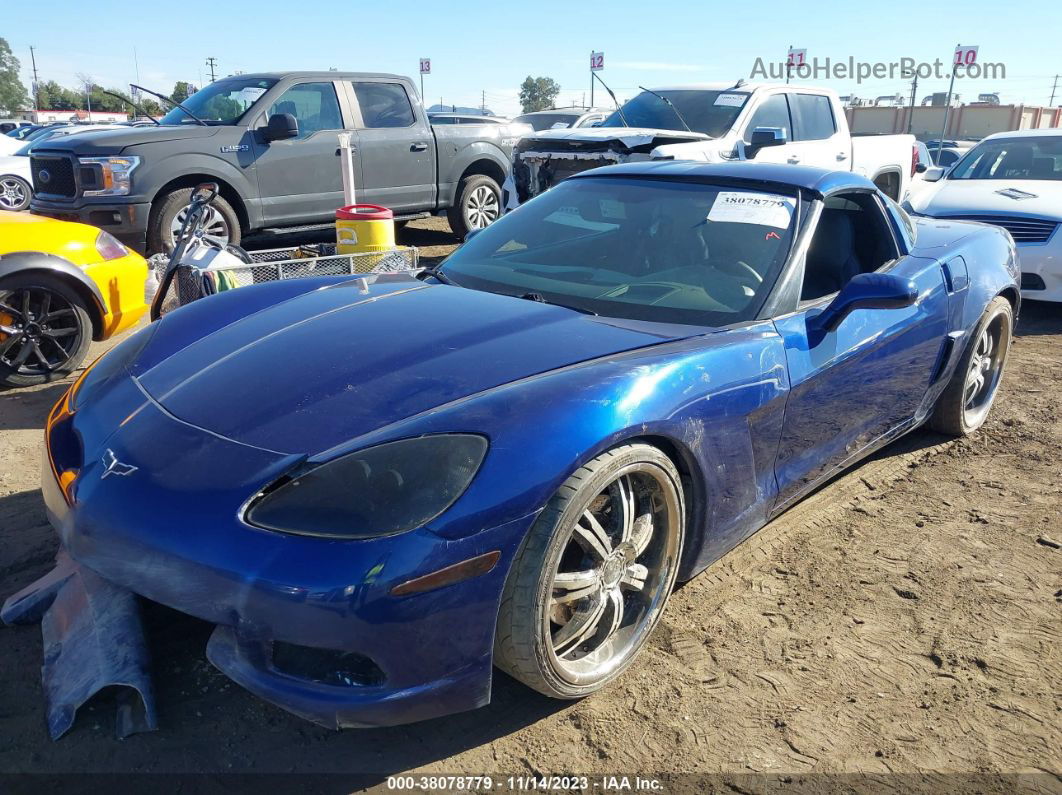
{"x": 597, "y": 61}
{"x": 965, "y": 56}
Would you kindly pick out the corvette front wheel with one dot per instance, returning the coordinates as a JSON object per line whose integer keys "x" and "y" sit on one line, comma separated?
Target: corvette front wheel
{"x": 593, "y": 575}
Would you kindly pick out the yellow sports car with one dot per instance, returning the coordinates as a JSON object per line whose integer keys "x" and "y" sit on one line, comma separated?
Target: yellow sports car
{"x": 62, "y": 285}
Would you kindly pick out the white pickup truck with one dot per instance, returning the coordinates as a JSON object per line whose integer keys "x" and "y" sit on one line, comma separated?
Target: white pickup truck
{"x": 715, "y": 122}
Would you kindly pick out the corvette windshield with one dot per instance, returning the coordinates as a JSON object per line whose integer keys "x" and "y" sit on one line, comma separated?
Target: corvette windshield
{"x": 660, "y": 250}
{"x": 1013, "y": 158}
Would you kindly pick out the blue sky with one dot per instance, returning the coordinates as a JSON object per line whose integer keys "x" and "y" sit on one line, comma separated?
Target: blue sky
{"x": 490, "y": 47}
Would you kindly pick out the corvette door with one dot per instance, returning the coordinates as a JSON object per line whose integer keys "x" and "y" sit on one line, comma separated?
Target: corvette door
{"x": 867, "y": 377}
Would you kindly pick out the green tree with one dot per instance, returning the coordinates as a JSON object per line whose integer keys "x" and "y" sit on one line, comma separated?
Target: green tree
{"x": 538, "y": 93}
{"x": 182, "y": 90}
{"x": 55, "y": 97}
{"x": 13, "y": 96}
{"x": 151, "y": 107}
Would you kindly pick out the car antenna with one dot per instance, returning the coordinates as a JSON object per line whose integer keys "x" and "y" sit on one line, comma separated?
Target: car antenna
{"x": 135, "y": 106}
{"x": 615, "y": 101}
{"x": 739, "y": 84}
{"x": 170, "y": 100}
{"x": 669, "y": 103}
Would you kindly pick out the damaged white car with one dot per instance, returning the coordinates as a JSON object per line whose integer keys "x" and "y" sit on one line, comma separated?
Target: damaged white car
{"x": 715, "y": 122}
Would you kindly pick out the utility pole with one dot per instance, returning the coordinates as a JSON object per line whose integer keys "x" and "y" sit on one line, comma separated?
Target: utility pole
{"x": 947, "y": 109}
{"x": 914, "y": 93}
{"x": 483, "y": 102}
{"x": 212, "y": 62}
{"x": 36, "y": 83}
{"x": 591, "y": 78}
{"x": 1054, "y": 87}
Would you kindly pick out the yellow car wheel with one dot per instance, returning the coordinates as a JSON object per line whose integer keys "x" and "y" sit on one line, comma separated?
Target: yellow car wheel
{"x": 45, "y": 329}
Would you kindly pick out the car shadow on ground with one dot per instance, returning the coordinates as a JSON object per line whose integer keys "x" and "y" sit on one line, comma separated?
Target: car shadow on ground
{"x": 1039, "y": 318}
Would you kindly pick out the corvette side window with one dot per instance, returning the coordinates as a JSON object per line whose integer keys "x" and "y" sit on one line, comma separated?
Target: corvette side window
{"x": 852, "y": 237}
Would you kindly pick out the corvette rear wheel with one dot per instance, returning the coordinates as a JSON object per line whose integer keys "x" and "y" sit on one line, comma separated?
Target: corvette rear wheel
{"x": 964, "y": 405}
{"x": 593, "y": 575}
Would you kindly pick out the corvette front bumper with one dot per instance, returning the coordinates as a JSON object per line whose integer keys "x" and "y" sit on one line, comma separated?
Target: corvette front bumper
{"x": 312, "y": 625}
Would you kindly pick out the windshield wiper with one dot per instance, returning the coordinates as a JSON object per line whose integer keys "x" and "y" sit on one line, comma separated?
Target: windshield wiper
{"x": 615, "y": 101}
{"x": 173, "y": 102}
{"x": 435, "y": 271}
{"x": 669, "y": 103}
{"x": 541, "y": 299}
{"x": 135, "y": 106}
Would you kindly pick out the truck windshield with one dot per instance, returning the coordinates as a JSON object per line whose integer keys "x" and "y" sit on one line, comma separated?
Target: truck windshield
{"x": 222, "y": 102}
{"x": 709, "y": 112}
{"x": 1033, "y": 157}
{"x": 659, "y": 250}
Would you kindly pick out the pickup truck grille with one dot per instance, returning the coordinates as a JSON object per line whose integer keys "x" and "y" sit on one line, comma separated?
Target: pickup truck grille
{"x": 1023, "y": 230}
{"x": 53, "y": 176}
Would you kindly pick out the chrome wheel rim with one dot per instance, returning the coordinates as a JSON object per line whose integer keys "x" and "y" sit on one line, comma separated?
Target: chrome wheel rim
{"x": 13, "y": 195}
{"x": 985, "y": 370}
{"x": 612, "y": 575}
{"x": 39, "y": 331}
{"x": 483, "y": 208}
{"x": 215, "y": 229}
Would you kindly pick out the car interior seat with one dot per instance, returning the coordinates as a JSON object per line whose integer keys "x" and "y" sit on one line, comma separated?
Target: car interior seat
{"x": 832, "y": 258}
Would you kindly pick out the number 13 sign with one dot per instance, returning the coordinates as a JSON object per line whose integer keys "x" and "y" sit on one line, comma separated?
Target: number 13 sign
{"x": 425, "y": 66}
{"x": 597, "y": 61}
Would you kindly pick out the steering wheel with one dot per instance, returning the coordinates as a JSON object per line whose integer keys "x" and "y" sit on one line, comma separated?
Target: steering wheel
{"x": 748, "y": 276}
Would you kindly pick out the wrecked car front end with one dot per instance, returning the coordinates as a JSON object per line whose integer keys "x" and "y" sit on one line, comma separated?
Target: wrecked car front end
{"x": 541, "y": 161}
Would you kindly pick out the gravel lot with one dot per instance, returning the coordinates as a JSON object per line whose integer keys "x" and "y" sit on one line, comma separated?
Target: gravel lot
{"x": 904, "y": 619}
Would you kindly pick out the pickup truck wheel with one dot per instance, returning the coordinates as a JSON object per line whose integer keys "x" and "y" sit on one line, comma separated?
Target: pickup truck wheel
{"x": 15, "y": 193}
{"x": 478, "y": 205}
{"x": 222, "y": 223}
{"x": 45, "y": 329}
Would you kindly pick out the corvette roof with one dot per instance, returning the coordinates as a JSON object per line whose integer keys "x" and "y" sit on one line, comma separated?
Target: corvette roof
{"x": 817, "y": 180}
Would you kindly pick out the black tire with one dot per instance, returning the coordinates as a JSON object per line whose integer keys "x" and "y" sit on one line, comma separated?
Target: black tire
{"x": 11, "y": 188}
{"x": 952, "y": 414}
{"x": 463, "y": 216}
{"x": 524, "y": 641}
{"x": 64, "y": 346}
{"x": 166, "y": 209}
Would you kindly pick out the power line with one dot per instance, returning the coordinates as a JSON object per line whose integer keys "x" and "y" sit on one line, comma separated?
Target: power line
{"x": 212, "y": 62}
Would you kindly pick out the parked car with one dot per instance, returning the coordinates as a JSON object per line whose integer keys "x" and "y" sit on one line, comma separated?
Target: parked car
{"x": 11, "y": 125}
{"x": 1012, "y": 180}
{"x": 16, "y": 178}
{"x": 561, "y": 118}
{"x": 716, "y": 122}
{"x": 606, "y": 391}
{"x": 62, "y": 285}
{"x": 270, "y": 141}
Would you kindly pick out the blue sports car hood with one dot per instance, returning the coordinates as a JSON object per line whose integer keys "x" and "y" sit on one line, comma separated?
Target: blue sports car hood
{"x": 308, "y": 373}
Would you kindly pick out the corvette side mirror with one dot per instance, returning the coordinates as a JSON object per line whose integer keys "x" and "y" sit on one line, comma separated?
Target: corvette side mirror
{"x": 866, "y": 291}
{"x": 933, "y": 174}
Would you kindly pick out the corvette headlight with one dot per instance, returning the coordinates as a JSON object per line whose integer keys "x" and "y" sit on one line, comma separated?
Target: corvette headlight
{"x": 113, "y": 174}
{"x": 378, "y": 491}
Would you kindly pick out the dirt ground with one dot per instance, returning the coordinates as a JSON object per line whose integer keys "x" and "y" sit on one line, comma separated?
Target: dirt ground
{"x": 905, "y": 619}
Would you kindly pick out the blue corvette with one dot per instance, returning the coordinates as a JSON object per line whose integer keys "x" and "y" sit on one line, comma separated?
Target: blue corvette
{"x": 379, "y": 488}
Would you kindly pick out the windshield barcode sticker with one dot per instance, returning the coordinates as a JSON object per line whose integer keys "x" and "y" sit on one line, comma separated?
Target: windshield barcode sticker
{"x": 731, "y": 100}
{"x": 763, "y": 209}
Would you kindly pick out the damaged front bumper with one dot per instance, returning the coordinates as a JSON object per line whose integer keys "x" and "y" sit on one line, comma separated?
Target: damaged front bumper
{"x": 311, "y": 625}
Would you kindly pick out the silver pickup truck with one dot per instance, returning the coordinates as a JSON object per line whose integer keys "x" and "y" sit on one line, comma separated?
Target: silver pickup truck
{"x": 270, "y": 141}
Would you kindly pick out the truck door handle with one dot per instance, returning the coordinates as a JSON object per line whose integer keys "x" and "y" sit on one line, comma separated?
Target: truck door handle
{"x": 842, "y": 155}
{"x": 419, "y": 146}
{"x": 793, "y": 159}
